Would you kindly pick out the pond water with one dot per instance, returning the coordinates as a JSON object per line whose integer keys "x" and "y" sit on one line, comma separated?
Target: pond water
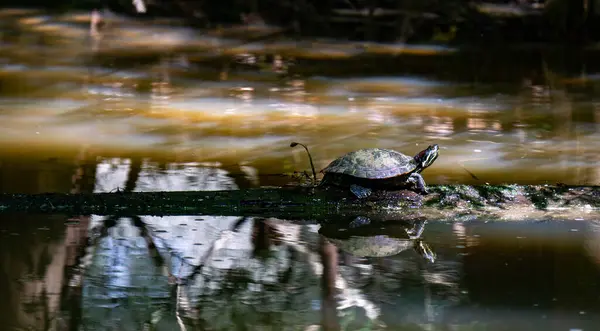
{"x": 236, "y": 273}
{"x": 153, "y": 106}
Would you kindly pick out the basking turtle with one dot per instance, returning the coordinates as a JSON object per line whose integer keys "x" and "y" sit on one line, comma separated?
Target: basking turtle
{"x": 377, "y": 168}
{"x": 365, "y": 240}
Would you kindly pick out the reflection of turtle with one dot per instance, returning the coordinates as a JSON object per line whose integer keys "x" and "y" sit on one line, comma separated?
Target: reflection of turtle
{"x": 376, "y": 168}
{"x": 364, "y": 240}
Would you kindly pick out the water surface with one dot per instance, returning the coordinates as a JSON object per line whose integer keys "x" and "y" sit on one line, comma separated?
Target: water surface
{"x": 154, "y": 106}
{"x": 234, "y": 273}
{"x": 164, "y": 92}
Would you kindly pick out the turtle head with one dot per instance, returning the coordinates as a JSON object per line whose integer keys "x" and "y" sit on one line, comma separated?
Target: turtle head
{"x": 427, "y": 156}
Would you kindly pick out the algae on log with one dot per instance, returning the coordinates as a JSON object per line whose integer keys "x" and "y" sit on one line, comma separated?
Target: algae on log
{"x": 445, "y": 202}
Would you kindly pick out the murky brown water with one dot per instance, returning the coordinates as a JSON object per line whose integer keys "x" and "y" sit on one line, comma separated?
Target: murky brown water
{"x": 156, "y": 107}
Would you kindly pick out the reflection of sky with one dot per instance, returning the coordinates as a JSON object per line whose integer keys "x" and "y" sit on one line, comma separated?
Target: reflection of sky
{"x": 189, "y": 241}
{"x": 181, "y": 233}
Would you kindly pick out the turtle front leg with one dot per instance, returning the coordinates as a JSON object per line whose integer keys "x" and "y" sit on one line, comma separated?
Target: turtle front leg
{"x": 359, "y": 191}
{"x": 419, "y": 182}
{"x": 417, "y": 230}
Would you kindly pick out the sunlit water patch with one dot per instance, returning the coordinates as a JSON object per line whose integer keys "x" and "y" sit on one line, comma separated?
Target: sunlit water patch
{"x": 16, "y": 12}
{"x": 377, "y": 86}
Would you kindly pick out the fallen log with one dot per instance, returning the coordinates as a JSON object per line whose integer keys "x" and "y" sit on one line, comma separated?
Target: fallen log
{"x": 314, "y": 204}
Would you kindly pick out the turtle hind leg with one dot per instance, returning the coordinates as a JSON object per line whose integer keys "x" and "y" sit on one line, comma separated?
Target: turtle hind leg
{"x": 419, "y": 182}
{"x": 359, "y": 221}
{"x": 324, "y": 181}
{"x": 359, "y": 191}
{"x": 425, "y": 251}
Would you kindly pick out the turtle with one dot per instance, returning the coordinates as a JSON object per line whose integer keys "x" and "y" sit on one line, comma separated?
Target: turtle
{"x": 377, "y": 168}
{"x": 363, "y": 239}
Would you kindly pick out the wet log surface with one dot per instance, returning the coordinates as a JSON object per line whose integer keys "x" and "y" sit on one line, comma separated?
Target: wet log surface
{"x": 447, "y": 202}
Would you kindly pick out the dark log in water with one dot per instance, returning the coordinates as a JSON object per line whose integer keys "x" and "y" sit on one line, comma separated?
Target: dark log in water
{"x": 447, "y": 202}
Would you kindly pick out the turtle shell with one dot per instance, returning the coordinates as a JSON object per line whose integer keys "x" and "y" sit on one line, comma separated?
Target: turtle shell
{"x": 374, "y": 246}
{"x": 364, "y": 237}
{"x": 373, "y": 163}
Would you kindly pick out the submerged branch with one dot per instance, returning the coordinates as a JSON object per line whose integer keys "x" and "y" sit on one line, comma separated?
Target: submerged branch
{"x": 447, "y": 202}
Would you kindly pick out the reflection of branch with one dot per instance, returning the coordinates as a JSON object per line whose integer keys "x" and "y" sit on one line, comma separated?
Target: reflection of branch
{"x": 329, "y": 260}
{"x": 427, "y": 302}
{"x": 159, "y": 261}
{"x": 140, "y": 6}
{"x": 178, "y": 310}
{"x": 71, "y": 293}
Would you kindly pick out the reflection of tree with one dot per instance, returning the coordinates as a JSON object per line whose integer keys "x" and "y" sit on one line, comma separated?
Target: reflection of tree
{"x": 329, "y": 259}
{"x": 31, "y": 270}
{"x": 36, "y": 259}
{"x": 227, "y": 273}
{"x": 273, "y": 289}
{"x": 133, "y": 175}
{"x": 264, "y": 236}
{"x": 233, "y": 289}
{"x": 116, "y": 278}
